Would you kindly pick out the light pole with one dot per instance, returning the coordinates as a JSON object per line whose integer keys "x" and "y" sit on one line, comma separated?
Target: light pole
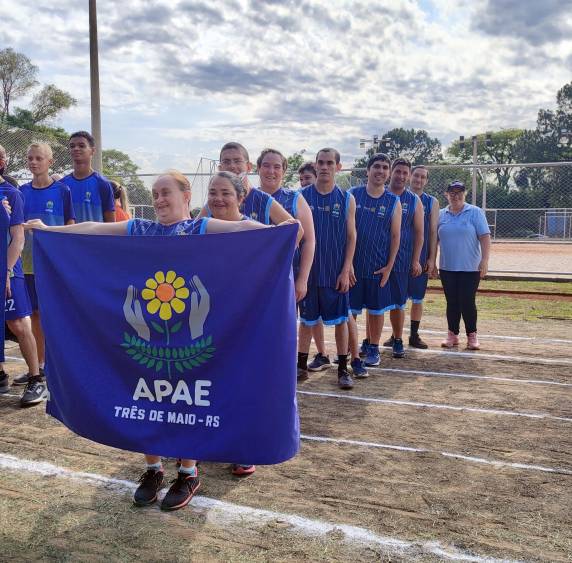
{"x": 475, "y": 141}
{"x": 94, "y": 82}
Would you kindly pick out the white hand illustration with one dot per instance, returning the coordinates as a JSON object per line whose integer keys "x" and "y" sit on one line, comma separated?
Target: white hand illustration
{"x": 199, "y": 309}
{"x": 134, "y": 314}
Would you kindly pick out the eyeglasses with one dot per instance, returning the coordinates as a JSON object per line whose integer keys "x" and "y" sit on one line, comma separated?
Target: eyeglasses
{"x": 235, "y": 161}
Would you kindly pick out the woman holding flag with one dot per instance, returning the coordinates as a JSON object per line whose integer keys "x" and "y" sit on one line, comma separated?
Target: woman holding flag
{"x": 171, "y": 199}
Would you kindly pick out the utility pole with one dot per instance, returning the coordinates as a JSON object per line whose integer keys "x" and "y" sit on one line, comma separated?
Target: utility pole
{"x": 474, "y": 173}
{"x": 94, "y": 82}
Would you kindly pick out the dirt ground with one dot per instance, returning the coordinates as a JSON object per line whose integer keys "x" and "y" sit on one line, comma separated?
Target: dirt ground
{"x": 514, "y": 512}
{"x": 531, "y": 257}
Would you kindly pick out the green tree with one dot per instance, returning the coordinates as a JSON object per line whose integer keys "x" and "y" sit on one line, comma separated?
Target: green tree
{"x": 118, "y": 166}
{"x": 49, "y": 102}
{"x": 294, "y": 162}
{"x": 17, "y": 77}
{"x": 503, "y": 149}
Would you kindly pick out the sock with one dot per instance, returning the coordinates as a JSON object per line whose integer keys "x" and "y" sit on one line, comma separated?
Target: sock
{"x": 192, "y": 471}
{"x": 155, "y": 466}
{"x": 366, "y": 342}
{"x": 343, "y": 362}
{"x": 415, "y": 327}
{"x": 302, "y": 360}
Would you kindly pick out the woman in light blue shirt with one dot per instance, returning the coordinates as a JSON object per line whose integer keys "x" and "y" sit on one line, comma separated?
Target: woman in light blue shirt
{"x": 465, "y": 244}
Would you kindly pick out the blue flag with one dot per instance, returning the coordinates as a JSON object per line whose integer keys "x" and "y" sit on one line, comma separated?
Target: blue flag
{"x": 181, "y": 346}
{"x": 4, "y": 234}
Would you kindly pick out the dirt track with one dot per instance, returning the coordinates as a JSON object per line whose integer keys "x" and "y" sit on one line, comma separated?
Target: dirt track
{"x": 531, "y": 257}
{"x": 498, "y": 511}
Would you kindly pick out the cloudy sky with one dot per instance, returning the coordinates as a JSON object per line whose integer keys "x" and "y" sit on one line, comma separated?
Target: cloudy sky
{"x": 179, "y": 78}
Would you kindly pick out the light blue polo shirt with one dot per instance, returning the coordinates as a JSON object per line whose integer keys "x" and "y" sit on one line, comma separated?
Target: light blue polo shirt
{"x": 459, "y": 246}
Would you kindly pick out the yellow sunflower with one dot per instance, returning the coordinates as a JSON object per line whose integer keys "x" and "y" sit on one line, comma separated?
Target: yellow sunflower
{"x": 165, "y": 293}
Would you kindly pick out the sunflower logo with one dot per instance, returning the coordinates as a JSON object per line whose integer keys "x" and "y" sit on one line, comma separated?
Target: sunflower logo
{"x": 165, "y": 294}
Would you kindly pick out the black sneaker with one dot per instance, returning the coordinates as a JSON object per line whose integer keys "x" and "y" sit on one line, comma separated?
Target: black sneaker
{"x": 35, "y": 392}
{"x": 146, "y": 493}
{"x": 319, "y": 363}
{"x": 21, "y": 379}
{"x": 398, "y": 351}
{"x": 302, "y": 374}
{"x": 389, "y": 343}
{"x": 416, "y": 342}
{"x": 181, "y": 492}
{"x": 4, "y": 382}
{"x": 345, "y": 380}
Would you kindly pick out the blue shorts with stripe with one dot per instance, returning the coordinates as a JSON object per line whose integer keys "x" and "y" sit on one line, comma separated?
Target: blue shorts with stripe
{"x": 367, "y": 294}
{"x": 31, "y": 287}
{"x": 417, "y": 287}
{"x": 324, "y": 304}
{"x": 18, "y": 304}
{"x": 398, "y": 282}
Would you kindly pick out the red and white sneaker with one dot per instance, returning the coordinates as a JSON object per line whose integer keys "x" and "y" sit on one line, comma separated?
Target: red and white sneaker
{"x": 451, "y": 341}
{"x": 243, "y": 470}
{"x": 472, "y": 341}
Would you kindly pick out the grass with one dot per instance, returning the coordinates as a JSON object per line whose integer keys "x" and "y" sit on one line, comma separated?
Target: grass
{"x": 539, "y": 286}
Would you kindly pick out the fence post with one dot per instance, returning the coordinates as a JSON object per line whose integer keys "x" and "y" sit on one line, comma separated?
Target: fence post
{"x": 474, "y": 175}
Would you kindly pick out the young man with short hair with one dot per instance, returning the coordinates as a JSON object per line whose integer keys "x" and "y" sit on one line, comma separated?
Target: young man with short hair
{"x": 50, "y": 201}
{"x": 17, "y": 303}
{"x": 378, "y": 225}
{"x": 407, "y": 260}
{"x": 327, "y": 300}
{"x": 257, "y": 205}
{"x": 92, "y": 194}
{"x": 417, "y": 286}
{"x": 307, "y": 174}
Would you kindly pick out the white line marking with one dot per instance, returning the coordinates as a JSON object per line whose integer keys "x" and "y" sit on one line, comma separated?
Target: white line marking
{"x": 471, "y": 376}
{"x": 229, "y": 513}
{"x": 481, "y": 356}
{"x": 16, "y": 359}
{"x": 397, "y": 402}
{"x": 444, "y": 454}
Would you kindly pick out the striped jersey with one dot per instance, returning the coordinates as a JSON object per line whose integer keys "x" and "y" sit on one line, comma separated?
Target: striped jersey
{"x": 145, "y": 227}
{"x": 427, "y": 202}
{"x": 288, "y": 199}
{"x": 330, "y": 212}
{"x": 14, "y": 197}
{"x": 53, "y": 205}
{"x": 257, "y": 205}
{"x": 91, "y": 196}
{"x": 373, "y": 225}
{"x": 405, "y": 253}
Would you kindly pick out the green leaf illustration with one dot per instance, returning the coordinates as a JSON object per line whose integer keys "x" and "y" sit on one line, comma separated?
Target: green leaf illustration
{"x": 176, "y": 327}
{"x": 158, "y": 327}
{"x": 159, "y": 366}
{"x": 179, "y": 367}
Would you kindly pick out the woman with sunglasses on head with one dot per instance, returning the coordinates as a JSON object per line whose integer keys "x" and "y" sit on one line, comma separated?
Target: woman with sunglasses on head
{"x": 465, "y": 242}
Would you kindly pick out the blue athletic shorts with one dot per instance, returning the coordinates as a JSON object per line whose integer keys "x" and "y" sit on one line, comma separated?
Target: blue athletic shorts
{"x": 398, "y": 287}
{"x": 325, "y": 304}
{"x": 18, "y": 304}
{"x": 367, "y": 294}
{"x": 31, "y": 287}
{"x": 417, "y": 287}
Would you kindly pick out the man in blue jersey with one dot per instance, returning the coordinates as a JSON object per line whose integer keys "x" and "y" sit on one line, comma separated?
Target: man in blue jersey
{"x": 408, "y": 255}
{"x": 50, "y": 201}
{"x": 17, "y": 303}
{"x": 418, "y": 285}
{"x": 3, "y": 165}
{"x": 333, "y": 211}
{"x": 378, "y": 225}
{"x": 92, "y": 194}
{"x": 257, "y": 205}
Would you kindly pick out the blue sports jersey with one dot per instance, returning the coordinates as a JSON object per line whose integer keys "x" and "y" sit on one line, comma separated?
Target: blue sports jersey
{"x": 257, "y": 205}
{"x": 405, "y": 253}
{"x": 288, "y": 199}
{"x": 145, "y": 227}
{"x": 91, "y": 196}
{"x": 16, "y": 202}
{"x": 53, "y": 205}
{"x": 373, "y": 225}
{"x": 427, "y": 202}
{"x": 330, "y": 214}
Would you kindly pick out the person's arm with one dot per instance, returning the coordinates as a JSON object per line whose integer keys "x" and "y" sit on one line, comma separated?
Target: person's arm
{"x": 418, "y": 238}
{"x": 308, "y": 248}
{"x": 109, "y": 216}
{"x": 219, "y": 226}
{"x": 69, "y": 213}
{"x": 14, "y": 251}
{"x": 278, "y": 214}
{"x": 485, "y": 242}
{"x": 432, "y": 234}
{"x": 343, "y": 281}
{"x": 87, "y": 228}
{"x": 393, "y": 246}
